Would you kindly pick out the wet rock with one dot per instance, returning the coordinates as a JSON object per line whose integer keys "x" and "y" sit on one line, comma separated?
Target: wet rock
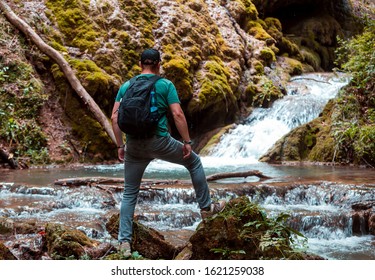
{"x": 241, "y": 231}
{"x": 146, "y": 241}
{"x": 6, "y": 226}
{"x": 360, "y": 223}
{"x": 100, "y": 251}
{"x": 363, "y": 218}
{"x": 5, "y": 253}
{"x": 371, "y": 224}
{"x": 67, "y": 243}
{"x": 10, "y": 227}
{"x": 27, "y": 247}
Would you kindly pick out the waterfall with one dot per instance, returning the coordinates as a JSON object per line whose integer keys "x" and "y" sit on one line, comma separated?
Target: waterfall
{"x": 306, "y": 97}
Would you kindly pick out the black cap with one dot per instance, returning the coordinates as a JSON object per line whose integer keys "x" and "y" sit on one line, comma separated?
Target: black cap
{"x": 150, "y": 57}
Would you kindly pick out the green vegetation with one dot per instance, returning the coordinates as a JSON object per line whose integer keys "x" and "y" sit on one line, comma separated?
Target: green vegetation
{"x": 21, "y": 98}
{"x": 353, "y": 118}
{"x": 244, "y": 231}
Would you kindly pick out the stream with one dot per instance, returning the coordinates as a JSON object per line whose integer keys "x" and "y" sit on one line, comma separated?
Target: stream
{"x": 318, "y": 198}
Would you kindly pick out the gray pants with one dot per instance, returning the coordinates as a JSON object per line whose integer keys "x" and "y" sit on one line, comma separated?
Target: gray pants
{"x": 138, "y": 155}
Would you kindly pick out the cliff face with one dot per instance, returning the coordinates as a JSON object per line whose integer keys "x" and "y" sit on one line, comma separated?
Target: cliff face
{"x": 223, "y": 56}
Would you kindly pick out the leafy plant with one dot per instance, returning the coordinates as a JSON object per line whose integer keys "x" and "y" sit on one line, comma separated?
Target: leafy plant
{"x": 226, "y": 253}
{"x": 275, "y": 234}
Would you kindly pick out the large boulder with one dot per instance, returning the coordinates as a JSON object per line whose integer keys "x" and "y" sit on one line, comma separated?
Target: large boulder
{"x": 242, "y": 231}
{"x": 148, "y": 242}
{"x": 67, "y": 243}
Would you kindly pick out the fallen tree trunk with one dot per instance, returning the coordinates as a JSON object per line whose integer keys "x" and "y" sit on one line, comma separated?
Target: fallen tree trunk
{"x": 244, "y": 174}
{"x": 59, "y": 59}
{"x": 92, "y": 181}
{"x": 114, "y": 184}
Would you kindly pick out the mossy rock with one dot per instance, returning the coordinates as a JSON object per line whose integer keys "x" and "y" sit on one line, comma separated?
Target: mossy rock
{"x": 66, "y": 243}
{"x": 293, "y": 66}
{"x": 266, "y": 92}
{"x": 177, "y": 70}
{"x": 214, "y": 140}
{"x": 148, "y": 242}
{"x": 291, "y": 147}
{"x": 238, "y": 233}
{"x": 267, "y": 55}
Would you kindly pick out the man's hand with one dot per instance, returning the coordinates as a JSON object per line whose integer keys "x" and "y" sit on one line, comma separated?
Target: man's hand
{"x": 186, "y": 150}
{"x": 121, "y": 153}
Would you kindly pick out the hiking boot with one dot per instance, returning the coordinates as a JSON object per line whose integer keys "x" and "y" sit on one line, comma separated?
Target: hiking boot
{"x": 125, "y": 249}
{"x": 215, "y": 208}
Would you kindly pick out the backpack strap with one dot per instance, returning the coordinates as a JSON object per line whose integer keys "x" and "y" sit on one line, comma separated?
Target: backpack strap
{"x": 153, "y": 79}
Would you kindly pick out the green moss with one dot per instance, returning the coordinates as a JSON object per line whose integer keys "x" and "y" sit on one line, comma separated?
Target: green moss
{"x": 74, "y": 23}
{"x": 94, "y": 143}
{"x": 267, "y": 93}
{"x": 250, "y": 93}
{"x": 214, "y": 140}
{"x": 65, "y": 243}
{"x": 177, "y": 70}
{"x": 258, "y": 66}
{"x": 293, "y": 66}
{"x": 21, "y": 98}
{"x": 312, "y": 58}
{"x": 287, "y": 46}
{"x": 243, "y": 231}
{"x": 215, "y": 88}
{"x": 249, "y": 8}
{"x": 256, "y": 29}
{"x": 267, "y": 55}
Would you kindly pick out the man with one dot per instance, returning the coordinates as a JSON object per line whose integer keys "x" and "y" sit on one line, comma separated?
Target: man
{"x": 138, "y": 153}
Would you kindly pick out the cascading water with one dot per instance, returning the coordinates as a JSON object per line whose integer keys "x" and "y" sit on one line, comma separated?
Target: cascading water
{"x": 323, "y": 212}
{"x": 306, "y": 97}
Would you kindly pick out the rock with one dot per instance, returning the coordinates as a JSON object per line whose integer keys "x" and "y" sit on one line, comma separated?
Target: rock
{"x": 66, "y": 243}
{"x": 363, "y": 218}
{"x": 6, "y": 226}
{"x": 241, "y": 231}
{"x": 186, "y": 253}
{"x": 371, "y": 224}
{"x": 146, "y": 241}
{"x": 28, "y": 247}
{"x": 100, "y": 251}
{"x": 5, "y": 253}
{"x": 9, "y": 227}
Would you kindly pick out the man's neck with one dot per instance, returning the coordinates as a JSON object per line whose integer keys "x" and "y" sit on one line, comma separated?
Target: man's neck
{"x": 146, "y": 71}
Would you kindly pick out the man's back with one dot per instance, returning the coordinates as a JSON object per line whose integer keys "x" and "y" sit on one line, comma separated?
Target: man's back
{"x": 166, "y": 94}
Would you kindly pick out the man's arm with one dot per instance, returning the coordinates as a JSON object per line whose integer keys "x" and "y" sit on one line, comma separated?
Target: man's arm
{"x": 117, "y": 132}
{"x": 181, "y": 124}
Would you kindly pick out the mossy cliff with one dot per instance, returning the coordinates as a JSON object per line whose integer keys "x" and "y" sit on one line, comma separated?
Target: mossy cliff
{"x": 224, "y": 57}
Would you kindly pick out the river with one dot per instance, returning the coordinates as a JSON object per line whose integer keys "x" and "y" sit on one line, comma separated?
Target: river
{"x": 319, "y": 198}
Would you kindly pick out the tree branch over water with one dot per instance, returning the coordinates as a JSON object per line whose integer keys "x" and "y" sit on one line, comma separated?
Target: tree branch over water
{"x": 310, "y": 79}
{"x": 243, "y": 174}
